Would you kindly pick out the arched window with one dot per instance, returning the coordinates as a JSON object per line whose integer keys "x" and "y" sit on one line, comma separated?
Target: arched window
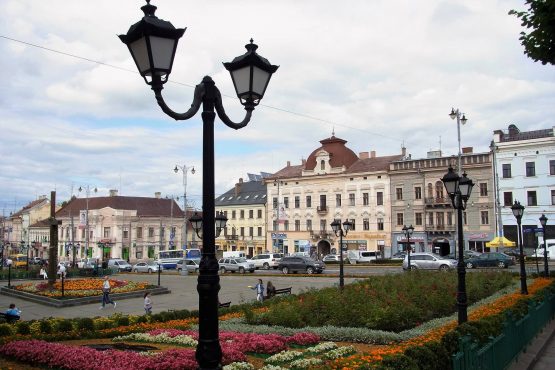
{"x": 439, "y": 189}
{"x": 430, "y": 191}
{"x": 322, "y": 165}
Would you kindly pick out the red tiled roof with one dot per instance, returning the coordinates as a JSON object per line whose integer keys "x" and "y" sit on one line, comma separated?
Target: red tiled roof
{"x": 154, "y": 207}
{"x": 374, "y": 164}
{"x": 29, "y": 206}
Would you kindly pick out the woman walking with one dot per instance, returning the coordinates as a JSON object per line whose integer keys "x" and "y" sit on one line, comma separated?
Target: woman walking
{"x": 106, "y": 293}
{"x": 148, "y": 303}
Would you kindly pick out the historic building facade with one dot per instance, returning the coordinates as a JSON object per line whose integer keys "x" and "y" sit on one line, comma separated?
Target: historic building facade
{"x": 332, "y": 183}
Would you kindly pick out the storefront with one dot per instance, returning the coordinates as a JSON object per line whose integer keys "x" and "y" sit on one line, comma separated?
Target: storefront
{"x": 417, "y": 242}
{"x": 476, "y": 241}
{"x": 279, "y": 244}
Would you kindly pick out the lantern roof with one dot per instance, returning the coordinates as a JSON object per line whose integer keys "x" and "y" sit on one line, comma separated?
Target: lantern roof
{"x": 251, "y": 57}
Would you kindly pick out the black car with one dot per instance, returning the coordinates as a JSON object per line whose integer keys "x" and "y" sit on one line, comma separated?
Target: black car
{"x": 300, "y": 264}
{"x": 493, "y": 259}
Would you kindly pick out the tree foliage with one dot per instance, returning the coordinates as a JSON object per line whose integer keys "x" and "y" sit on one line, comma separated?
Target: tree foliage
{"x": 539, "y": 19}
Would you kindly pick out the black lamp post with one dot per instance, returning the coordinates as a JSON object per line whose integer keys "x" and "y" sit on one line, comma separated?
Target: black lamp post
{"x": 459, "y": 189}
{"x": 159, "y": 271}
{"x": 543, "y": 221}
{"x": 341, "y": 232}
{"x": 9, "y": 262}
{"x": 152, "y": 43}
{"x": 518, "y": 211}
{"x": 1, "y": 255}
{"x": 408, "y": 230}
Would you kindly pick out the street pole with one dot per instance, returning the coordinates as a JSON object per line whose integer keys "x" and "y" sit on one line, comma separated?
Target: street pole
{"x": 53, "y": 248}
{"x": 462, "y": 302}
{"x": 518, "y": 211}
{"x": 408, "y": 230}
{"x": 184, "y": 169}
{"x": 543, "y": 222}
{"x": 341, "y": 231}
{"x": 159, "y": 271}
{"x": 9, "y": 274}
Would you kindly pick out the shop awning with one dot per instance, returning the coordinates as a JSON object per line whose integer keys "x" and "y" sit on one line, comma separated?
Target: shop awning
{"x": 500, "y": 241}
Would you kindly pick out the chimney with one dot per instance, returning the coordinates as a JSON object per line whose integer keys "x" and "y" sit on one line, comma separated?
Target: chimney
{"x": 157, "y": 195}
{"x": 467, "y": 150}
{"x": 373, "y": 154}
{"x": 288, "y": 163}
{"x": 113, "y": 192}
{"x": 404, "y": 152}
{"x": 363, "y": 155}
{"x": 238, "y": 186}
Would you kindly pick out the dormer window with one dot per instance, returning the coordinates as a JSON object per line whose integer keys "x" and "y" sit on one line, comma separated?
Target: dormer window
{"x": 322, "y": 165}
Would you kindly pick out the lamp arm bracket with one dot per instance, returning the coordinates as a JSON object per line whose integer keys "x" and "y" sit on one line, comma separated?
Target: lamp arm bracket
{"x": 223, "y": 116}
{"x": 195, "y": 106}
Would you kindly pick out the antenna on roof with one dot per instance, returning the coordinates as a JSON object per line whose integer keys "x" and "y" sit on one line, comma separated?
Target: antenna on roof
{"x": 333, "y": 131}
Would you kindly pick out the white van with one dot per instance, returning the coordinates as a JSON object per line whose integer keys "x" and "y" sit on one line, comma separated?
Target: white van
{"x": 550, "y": 249}
{"x": 234, "y": 254}
{"x": 356, "y": 256}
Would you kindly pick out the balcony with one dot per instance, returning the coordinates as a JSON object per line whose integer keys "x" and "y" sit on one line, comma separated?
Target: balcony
{"x": 443, "y": 201}
{"x": 321, "y": 234}
{"x": 440, "y": 227}
{"x": 322, "y": 210}
{"x": 232, "y": 237}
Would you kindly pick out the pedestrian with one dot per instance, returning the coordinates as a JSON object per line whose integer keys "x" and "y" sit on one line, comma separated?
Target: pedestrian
{"x": 13, "y": 311}
{"x": 61, "y": 270}
{"x": 270, "y": 290}
{"x": 43, "y": 273}
{"x": 259, "y": 290}
{"x": 148, "y": 303}
{"x": 106, "y": 293}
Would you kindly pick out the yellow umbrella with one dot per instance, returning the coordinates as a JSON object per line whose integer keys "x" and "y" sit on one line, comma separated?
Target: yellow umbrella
{"x": 501, "y": 241}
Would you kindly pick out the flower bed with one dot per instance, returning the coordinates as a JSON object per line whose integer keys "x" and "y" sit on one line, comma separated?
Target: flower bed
{"x": 80, "y": 287}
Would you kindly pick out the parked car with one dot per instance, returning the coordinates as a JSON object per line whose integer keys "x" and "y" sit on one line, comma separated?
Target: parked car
{"x": 515, "y": 253}
{"x": 119, "y": 264}
{"x": 266, "y": 260}
{"x": 467, "y": 254}
{"x": 86, "y": 263}
{"x": 191, "y": 264}
{"x": 240, "y": 265}
{"x": 331, "y": 258}
{"x": 492, "y": 259}
{"x": 428, "y": 261}
{"x": 147, "y": 266}
{"x": 300, "y": 264}
{"x": 36, "y": 261}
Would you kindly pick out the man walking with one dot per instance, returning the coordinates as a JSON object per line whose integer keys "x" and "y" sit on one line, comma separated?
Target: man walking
{"x": 106, "y": 293}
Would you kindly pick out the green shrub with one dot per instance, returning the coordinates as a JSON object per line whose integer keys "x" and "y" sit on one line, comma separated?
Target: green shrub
{"x": 423, "y": 357}
{"x": 122, "y": 321}
{"x": 5, "y": 330}
{"x": 182, "y": 314}
{"x": 396, "y": 362}
{"x": 442, "y": 358}
{"x": 45, "y": 327}
{"x": 86, "y": 324}
{"x": 64, "y": 325}
{"x": 23, "y": 328}
{"x": 142, "y": 319}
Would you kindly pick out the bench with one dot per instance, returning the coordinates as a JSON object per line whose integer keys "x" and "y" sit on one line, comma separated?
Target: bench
{"x": 9, "y": 318}
{"x": 225, "y": 304}
{"x": 281, "y": 291}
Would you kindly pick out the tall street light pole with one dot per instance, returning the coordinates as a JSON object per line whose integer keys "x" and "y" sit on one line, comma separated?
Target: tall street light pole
{"x": 543, "y": 222}
{"x": 408, "y": 230}
{"x": 518, "y": 211}
{"x": 461, "y": 118}
{"x": 341, "y": 232}
{"x": 152, "y": 43}
{"x": 184, "y": 169}
{"x": 88, "y": 194}
{"x": 459, "y": 189}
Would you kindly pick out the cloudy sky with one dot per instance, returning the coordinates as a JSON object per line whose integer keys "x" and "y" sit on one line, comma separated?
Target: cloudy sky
{"x": 381, "y": 73}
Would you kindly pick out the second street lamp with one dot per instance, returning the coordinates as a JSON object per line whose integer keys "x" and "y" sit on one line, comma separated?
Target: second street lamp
{"x": 408, "y": 232}
{"x": 459, "y": 189}
{"x": 152, "y": 43}
{"x": 341, "y": 232}
{"x": 543, "y": 222}
{"x": 518, "y": 212}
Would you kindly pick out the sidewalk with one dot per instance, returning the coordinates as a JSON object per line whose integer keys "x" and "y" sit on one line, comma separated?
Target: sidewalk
{"x": 540, "y": 354}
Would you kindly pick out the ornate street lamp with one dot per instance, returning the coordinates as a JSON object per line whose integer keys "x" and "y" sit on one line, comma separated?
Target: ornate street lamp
{"x": 152, "y": 43}
{"x": 341, "y": 232}
{"x": 408, "y": 230}
{"x": 518, "y": 211}
{"x": 457, "y": 114}
{"x": 185, "y": 170}
{"x": 543, "y": 222}
{"x": 459, "y": 189}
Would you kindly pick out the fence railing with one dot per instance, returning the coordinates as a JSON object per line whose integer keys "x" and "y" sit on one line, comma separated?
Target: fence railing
{"x": 500, "y": 351}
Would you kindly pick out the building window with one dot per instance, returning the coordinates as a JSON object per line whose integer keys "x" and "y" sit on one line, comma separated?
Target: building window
{"x": 107, "y": 232}
{"x": 242, "y": 213}
{"x": 399, "y": 193}
{"x": 251, "y": 213}
{"x": 233, "y": 214}
{"x": 338, "y": 200}
{"x": 275, "y": 202}
{"x": 242, "y": 231}
{"x": 323, "y": 201}
{"x": 400, "y": 219}
{"x": 322, "y": 225}
{"x": 251, "y": 231}
{"x": 286, "y": 225}
{"x": 439, "y": 189}
{"x": 275, "y": 226}
{"x": 418, "y": 192}
{"x": 507, "y": 171}
{"x": 83, "y": 234}
{"x": 430, "y": 219}
{"x": 308, "y": 201}
{"x": 532, "y": 199}
{"x": 366, "y": 224}
{"x": 259, "y": 231}
{"x": 139, "y": 232}
{"x": 430, "y": 190}
{"x": 418, "y": 218}
{"x": 150, "y": 232}
{"x": 286, "y": 202}
{"x": 530, "y": 169}
{"x": 483, "y": 189}
{"x": 507, "y": 198}
{"x": 450, "y": 218}
{"x": 365, "y": 199}
{"x": 484, "y": 217}
{"x": 352, "y": 199}
{"x": 379, "y": 198}
{"x": 297, "y": 225}
{"x": 552, "y": 166}
{"x": 553, "y": 197}
{"x": 322, "y": 165}
{"x": 259, "y": 213}
{"x": 353, "y": 224}
{"x": 308, "y": 225}
{"x": 439, "y": 218}
{"x": 297, "y": 201}
{"x": 125, "y": 234}
{"x": 380, "y": 224}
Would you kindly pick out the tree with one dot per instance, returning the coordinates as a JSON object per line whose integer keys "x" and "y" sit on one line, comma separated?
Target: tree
{"x": 539, "y": 43}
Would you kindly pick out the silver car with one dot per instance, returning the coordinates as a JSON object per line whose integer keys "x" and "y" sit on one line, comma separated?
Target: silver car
{"x": 191, "y": 264}
{"x": 240, "y": 265}
{"x": 428, "y": 261}
{"x": 148, "y": 266}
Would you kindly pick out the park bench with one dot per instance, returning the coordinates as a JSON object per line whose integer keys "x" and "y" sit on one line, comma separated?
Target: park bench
{"x": 281, "y": 291}
{"x": 225, "y": 304}
{"x": 9, "y": 318}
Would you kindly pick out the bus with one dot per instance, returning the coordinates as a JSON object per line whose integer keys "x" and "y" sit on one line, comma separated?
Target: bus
{"x": 19, "y": 260}
{"x": 168, "y": 259}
